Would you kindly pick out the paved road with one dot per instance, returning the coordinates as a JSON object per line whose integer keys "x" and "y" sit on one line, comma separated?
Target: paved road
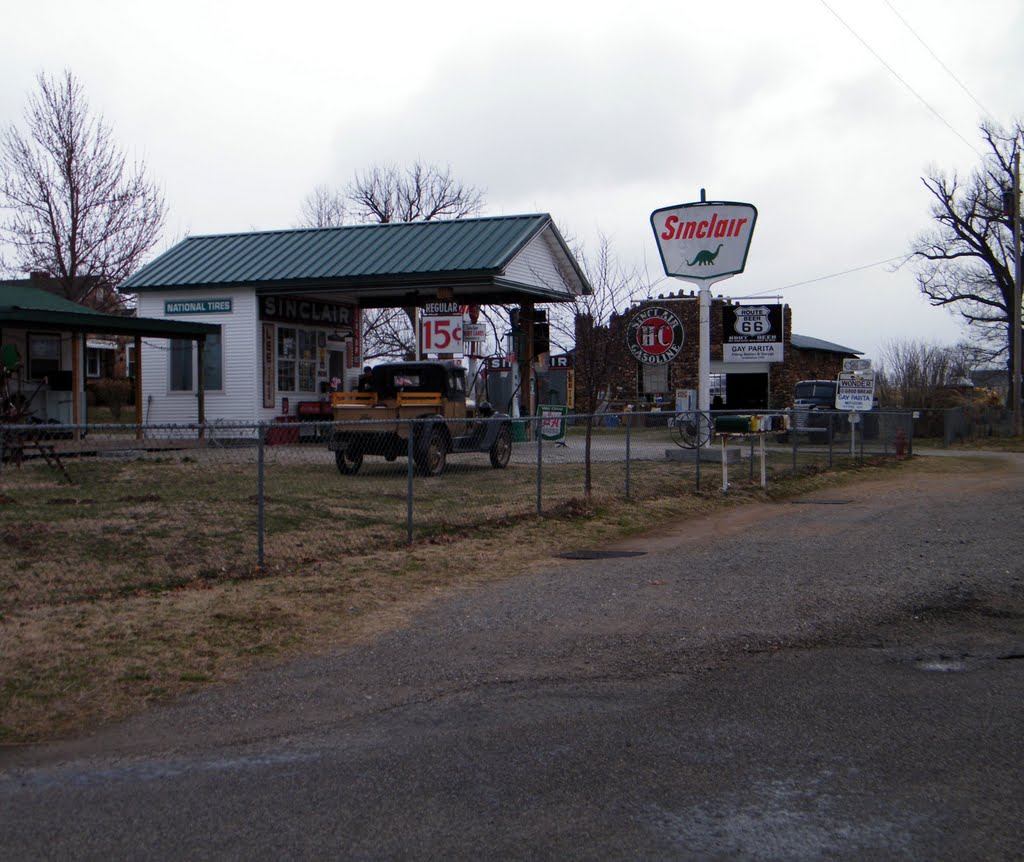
{"x": 838, "y": 677}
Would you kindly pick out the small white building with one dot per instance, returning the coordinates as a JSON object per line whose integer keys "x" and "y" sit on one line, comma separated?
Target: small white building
{"x": 289, "y": 303}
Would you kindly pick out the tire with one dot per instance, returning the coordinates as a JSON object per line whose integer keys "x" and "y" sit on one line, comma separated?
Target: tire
{"x": 432, "y": 457}
{"x": 501, "y": 449}
{"x": 349, "y": 460}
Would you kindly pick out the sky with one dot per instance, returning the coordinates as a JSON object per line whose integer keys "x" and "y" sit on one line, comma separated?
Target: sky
{"x": 824, "y": 114}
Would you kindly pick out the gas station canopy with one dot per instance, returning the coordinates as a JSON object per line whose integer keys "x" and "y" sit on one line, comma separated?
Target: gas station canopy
{"x": 505, "y": 259}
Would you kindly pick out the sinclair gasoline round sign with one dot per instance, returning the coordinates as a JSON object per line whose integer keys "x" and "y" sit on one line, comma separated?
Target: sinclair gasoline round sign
{"x": 654, "y": 335}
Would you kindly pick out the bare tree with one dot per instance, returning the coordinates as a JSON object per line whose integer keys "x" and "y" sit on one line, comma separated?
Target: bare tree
{"x": 387, "y": 193}
{"x": 965, "y": 261}
{"x": 323, "y": 207}
{"x": 420, "y": 192}
{"x": 593, "y": 326}
{"x": 75, "y": 209}
{"x": 918, "y": 374}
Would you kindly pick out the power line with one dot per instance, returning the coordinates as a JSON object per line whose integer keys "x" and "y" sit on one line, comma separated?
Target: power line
{"x": 899, "y": 77}
{"x": 832, "y": 275}
{"x": 935, "y": 57}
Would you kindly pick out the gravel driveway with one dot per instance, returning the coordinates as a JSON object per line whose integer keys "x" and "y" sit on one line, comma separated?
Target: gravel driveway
{"x": 837, "y": 676}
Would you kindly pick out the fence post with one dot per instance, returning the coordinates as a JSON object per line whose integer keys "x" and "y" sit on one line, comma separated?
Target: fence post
{"x": 628, "y": 424}
{"x": 260, "y": 496}
{"x": 540, "y": 458}
{"x": 410, "y": 469}
{"x": 700, "y": 435}
{"x": 792, "y": 427}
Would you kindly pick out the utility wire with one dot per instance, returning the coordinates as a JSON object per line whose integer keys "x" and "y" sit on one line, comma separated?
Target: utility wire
{"x": 899, "y": 78}
{"x": 935, "y": 57}
{"x": 826, "y": 277}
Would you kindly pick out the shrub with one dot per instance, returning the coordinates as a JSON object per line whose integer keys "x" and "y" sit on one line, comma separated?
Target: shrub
{"x": 114, "y": 394}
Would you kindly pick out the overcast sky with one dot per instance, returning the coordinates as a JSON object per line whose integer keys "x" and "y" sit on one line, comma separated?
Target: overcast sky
{"x": 596, "y": 113}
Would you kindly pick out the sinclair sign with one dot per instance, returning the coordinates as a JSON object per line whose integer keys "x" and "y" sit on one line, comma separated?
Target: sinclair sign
{"x": 705, "y": 240}
{"x": 654, "y": 335}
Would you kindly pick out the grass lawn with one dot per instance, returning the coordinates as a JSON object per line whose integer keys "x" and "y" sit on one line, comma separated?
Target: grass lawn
{"x": 138, "y": 583}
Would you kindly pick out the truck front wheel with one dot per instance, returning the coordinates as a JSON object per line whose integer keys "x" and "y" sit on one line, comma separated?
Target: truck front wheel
{"x": 432, "y": 457}
{"x": 501, "y": 449}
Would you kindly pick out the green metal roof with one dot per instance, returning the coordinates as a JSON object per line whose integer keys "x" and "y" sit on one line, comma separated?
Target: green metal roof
{"x": 24, "y": 307}
{"x": 19, "y": 295}
{"x": 412, "y": 254}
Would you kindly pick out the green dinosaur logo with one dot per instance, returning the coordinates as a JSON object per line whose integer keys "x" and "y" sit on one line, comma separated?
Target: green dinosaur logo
{"x": 705, "y": 257}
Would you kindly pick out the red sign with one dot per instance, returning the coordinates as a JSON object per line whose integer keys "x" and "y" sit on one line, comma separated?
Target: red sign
{"x": 654, "y": 335}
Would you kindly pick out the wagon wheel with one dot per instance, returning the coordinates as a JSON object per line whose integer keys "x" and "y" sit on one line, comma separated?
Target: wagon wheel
{"x": 693, "y": 430}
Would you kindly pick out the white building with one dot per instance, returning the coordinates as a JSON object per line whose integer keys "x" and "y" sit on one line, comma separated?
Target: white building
{"x": 289, "y": 303}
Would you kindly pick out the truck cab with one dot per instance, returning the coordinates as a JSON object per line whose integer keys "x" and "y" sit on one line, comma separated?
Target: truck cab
{"x": 427, "y": 400}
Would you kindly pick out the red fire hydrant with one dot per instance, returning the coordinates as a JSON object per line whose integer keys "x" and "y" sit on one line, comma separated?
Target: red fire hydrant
{"x": 901, "y": 443}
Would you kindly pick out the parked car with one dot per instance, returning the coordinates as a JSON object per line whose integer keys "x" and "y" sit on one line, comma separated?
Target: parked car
{"x": 814, "y": 403}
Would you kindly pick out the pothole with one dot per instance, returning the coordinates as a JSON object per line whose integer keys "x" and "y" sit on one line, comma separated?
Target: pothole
{"x": 599, "y": 555}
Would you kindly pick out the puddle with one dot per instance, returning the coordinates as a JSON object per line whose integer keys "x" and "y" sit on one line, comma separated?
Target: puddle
{"x": 941, "y": 666}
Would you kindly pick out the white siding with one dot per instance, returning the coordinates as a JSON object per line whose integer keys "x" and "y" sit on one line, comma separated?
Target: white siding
{"x": 540, "y": 264}
{"x": 240, "y": 399}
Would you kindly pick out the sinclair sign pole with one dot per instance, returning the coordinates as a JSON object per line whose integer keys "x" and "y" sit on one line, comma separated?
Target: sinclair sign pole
{"x": 704, "y": 242}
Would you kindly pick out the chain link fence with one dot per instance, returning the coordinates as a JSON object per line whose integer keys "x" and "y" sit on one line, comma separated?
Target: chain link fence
{"x": 160, "y": 505}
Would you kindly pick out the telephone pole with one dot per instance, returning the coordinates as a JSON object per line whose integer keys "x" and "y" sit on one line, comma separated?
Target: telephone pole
{"x": 1015, "y": 377}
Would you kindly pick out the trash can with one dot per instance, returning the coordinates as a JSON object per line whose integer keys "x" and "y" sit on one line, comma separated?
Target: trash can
{"x": 519, "y": 432}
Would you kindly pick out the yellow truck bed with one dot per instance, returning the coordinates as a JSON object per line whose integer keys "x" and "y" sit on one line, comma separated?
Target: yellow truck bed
{"x": 363, "y": 406}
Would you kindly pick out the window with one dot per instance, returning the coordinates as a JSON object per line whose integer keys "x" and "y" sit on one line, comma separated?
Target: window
{"x": 286, "y": 359}
{"x": 93, "y": 362}
{"x": 297, "y": 359}
{"x": 129, "y": 360}
{"x": 717, "y": 386}
{"x": 183, "y": 365}
{"x": 655, "y": 379}
{"x": 307, "y": 360}
{"x": 43, "y": 355}
{"x": 213, "y": 374}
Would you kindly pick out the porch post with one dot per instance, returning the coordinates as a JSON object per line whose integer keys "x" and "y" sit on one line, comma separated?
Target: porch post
{"x": 76, "y": 385}
{"x": 201, "y": 382}
{"x": 138, "y": 387}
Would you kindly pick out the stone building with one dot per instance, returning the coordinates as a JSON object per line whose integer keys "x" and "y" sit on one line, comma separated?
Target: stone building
{"x": 631, "y": 384}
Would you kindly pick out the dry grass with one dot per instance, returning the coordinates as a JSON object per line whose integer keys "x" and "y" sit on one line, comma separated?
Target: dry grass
{"x": 104, "y": 608}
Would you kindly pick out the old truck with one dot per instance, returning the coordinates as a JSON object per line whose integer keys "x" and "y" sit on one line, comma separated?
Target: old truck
{"x": 426, "y": 400}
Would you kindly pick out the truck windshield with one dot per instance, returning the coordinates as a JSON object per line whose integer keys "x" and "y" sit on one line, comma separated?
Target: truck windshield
{"x": 819, "y": 391}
